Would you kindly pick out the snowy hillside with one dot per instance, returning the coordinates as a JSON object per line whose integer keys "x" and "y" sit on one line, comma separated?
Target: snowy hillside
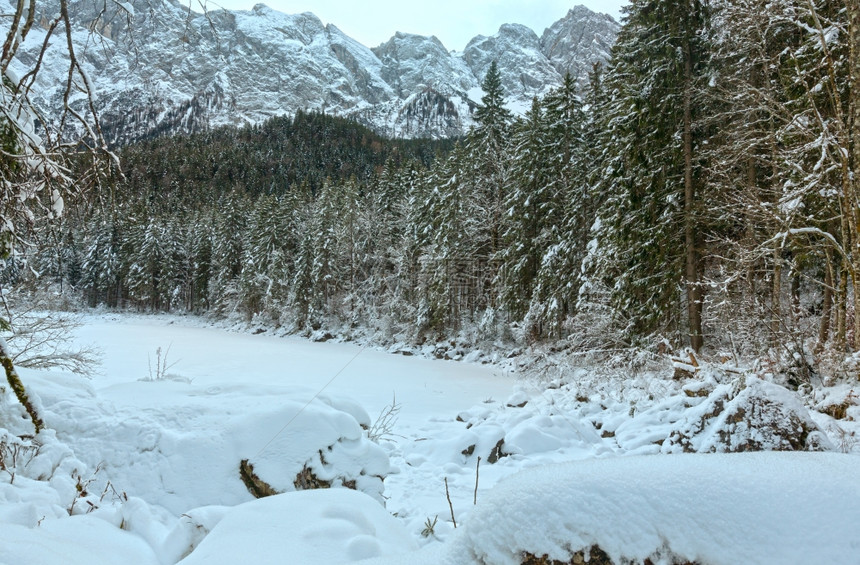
{"x": 158, "y": 68}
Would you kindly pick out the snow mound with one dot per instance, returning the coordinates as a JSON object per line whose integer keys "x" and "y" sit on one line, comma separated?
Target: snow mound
{"x": 526, "y": 424}
{"x": 713, "y": 509}
{"x": 80, "y": 540}
{"x": 180, "y": 445}
{"x": 748, "y": 414}
{"x": 187, "y": 532}
{"x": 322, "y": 526}
{"x": 751, "y": 416}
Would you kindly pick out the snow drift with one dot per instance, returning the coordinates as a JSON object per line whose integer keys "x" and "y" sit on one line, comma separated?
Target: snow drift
{"x": 716, "y": 509}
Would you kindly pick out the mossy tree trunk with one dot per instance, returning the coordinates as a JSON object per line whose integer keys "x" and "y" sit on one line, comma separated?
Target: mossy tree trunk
{"x": 18, "y": 386}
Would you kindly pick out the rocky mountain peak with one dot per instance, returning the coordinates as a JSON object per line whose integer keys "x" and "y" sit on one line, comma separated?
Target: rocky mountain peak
{"x": 575, "y": 42}
{"x": 413, "y": 63}
{"x": 525, "y": 71}
{"x": 161, "y": 69}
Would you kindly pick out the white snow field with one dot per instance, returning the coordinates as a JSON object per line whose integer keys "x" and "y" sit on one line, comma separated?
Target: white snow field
{"x": 150, "y": 468}
{"x": 764, "y": 507}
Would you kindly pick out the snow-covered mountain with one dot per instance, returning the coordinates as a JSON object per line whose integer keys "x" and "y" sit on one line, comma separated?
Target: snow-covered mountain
{"x": 575, "y": 42}
{"x": 159, "y": 68}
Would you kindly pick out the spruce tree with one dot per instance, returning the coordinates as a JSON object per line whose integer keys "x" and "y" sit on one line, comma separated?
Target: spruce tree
{"x": 228, "y": 248}
{"x": 269, "y": 250}
{"x": 101, "y": 263}
{"x": 484, "y": 180}
{"x": 148, "y": 274}
{"x": 201, "y": 235}
{"x": 382, "y": 229}
{"x": 528, "y": 201}
{"x": 492, "y": 118}
{"x": 302, "y": 291}
{"x": 650, "y": 225}
{"x": 327, "y": 269}
{"x": 447, "y": 239}
{"x": 566, "y": 213}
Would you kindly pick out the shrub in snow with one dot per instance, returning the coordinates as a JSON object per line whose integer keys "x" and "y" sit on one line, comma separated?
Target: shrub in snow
{"x": 43, "y": 339}
{"x": 41, "y": 478}
{"x": 751, "y": 416}
{"x": 15, "y": 453}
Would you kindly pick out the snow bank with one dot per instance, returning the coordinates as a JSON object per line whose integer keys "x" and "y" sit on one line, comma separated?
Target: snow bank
{"x": 713, "y": 509}
{"x": 179, "y": 445}
{"x": 321, "y": 526}
{"x": 745, "y": 414}
{"x": 80, "y": 540}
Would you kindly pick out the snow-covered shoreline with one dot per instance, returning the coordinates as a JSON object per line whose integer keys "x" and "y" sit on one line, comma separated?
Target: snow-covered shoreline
{"x": 170, "y": 449}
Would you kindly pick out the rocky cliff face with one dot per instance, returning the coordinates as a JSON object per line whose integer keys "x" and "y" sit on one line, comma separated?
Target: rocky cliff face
{"x": 575, "y": 42}
{"x": 158, "y": 68}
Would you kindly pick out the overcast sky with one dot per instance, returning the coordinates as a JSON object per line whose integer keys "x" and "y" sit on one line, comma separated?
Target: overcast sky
{"x": 454, "y": 22}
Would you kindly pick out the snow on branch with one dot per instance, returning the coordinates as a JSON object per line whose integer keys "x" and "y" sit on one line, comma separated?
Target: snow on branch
{"x": 810, "y": 231}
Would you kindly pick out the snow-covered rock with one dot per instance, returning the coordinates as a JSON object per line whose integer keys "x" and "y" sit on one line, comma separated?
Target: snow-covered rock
{"x": 158, "y": 68}
{"x": 761, "y": 416}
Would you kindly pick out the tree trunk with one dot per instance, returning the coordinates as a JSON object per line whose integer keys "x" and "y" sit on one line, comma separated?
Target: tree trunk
{"x": 853, "y": 126}
{"x": 841, "y": 303}
{"x": 694, "y": 291}
{"x": 18, "y": 387}
{"x": 750, "y": 234}
{"x": 795, "y": 293}
{"x": 776, "y": 295}
{"x": 827, "y": 305}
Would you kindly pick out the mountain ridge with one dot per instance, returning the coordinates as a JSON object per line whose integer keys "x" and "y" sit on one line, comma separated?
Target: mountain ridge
{"x": 160, "y": 68}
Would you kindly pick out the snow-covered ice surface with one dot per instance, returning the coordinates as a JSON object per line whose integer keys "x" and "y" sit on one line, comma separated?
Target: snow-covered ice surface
{"x": 549, "y": 479}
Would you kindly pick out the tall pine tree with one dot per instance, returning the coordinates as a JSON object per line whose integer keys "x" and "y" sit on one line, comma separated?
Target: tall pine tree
{"x": 650, "y": 226}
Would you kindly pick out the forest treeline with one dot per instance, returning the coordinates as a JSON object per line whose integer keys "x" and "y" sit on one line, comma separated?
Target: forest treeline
{"x": 270, "y": 158}
{"x": 703, "y": 188}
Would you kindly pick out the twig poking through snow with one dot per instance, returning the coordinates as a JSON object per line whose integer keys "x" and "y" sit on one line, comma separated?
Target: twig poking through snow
{"x": 477, "y": 470}
{"x": 383, "y": 427}
{"x": 161, "y": 365}
{"x": 451, "y": 506}
{"x": 430, "y": 527}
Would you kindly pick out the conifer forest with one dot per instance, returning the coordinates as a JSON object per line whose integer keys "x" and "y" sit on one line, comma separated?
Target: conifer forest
{"x": 618, "y": 322}
{"x": 702, "y": 189}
